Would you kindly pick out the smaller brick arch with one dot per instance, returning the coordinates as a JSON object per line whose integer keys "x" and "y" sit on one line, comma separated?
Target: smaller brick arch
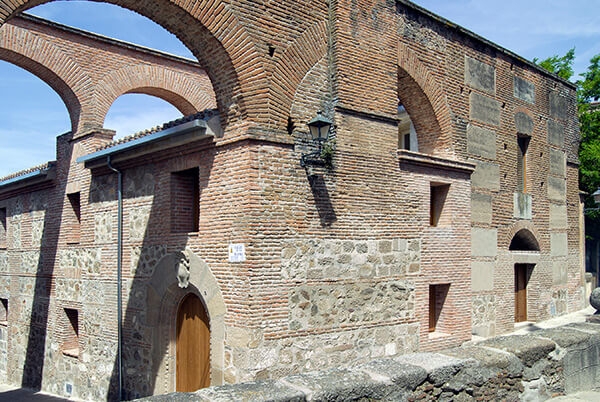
{"x": 426, "y": 103}
{"x": 164, "y": 294}
{"x": 524, "y": 240}
{"x": 189, "y": 93}
{"x": 294, "y": 65}
{"x": 524, "y": 234}
{"x": 21, "y": 48}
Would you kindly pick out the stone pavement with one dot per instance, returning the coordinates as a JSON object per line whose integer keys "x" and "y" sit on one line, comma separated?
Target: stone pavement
{"x": 588, "y": 396}
{"x": 13, "y": 394}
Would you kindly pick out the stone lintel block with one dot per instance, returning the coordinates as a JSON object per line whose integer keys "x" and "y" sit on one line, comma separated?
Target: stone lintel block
{"x": 484, "y": 242}
{"x": 481, "y": 142}
{"x": 524, "y": 123}
{"x": 486, "y": 175}
{"x": 522, "y": 206}
{"x": 558, "y": 244}
{"x": 482, "y": 276}
{"x": 485, "y": 109}
{"x": 524, "y": 90}
{"x": 480, "y": 75}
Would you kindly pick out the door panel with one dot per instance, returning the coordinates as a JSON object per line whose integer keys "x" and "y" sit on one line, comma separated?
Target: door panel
{"x": 193, "y": 345}
{"x": 521, "y": 292}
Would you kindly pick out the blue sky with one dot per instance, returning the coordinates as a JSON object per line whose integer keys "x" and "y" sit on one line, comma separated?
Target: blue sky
{"x": 33, "y": 115}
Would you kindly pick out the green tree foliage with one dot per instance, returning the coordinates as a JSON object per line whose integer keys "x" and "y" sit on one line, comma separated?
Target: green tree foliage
{"x": 559, "y": 65}
{"x": 588, "y": 93}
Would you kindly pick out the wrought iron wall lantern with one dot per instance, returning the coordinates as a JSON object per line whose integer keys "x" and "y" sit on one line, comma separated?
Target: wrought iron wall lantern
{"x": 319, "y": 132}
{"x": 596, "y": 196}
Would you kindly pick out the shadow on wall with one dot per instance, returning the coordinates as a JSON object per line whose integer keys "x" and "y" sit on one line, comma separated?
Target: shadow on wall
{"x": 49, "y": 211}
{"x": 145, "y": 346}
{"x": 323, "y": 203}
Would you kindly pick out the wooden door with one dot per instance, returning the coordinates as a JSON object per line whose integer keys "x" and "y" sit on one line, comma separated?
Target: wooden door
{"x": 521, "y": 292}
{"x": 193, "y": 345}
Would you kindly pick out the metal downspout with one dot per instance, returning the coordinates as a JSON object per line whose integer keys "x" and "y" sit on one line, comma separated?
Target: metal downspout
{"x": 119, "y": 263}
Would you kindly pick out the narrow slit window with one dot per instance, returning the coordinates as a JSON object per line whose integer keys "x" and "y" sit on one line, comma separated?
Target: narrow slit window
{"x": 523, "y": 142}
{"x": 3, "y": 311}
{"x": 438, "y": 214}
{"x": 185, "y": 201}
{"x": 74, "y": 218}
{"x": 3, "y": 228}
{"x": 70, "y": 346}
{"x": 437, "y": 298}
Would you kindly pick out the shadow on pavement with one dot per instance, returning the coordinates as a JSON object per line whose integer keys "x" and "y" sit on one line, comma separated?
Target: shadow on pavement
{"x": 23, "y": 395}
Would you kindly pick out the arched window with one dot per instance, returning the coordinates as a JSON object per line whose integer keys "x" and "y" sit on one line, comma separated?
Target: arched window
{"x": 524, "y": 240}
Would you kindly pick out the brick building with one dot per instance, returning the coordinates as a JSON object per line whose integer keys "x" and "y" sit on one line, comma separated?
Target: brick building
{"x": 448, "y": 204}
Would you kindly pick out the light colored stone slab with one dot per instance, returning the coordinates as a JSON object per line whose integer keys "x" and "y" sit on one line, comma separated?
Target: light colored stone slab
{"x": 486, "y": 175}
{"x": 558, "y": 163}
{"x": 484, "y": 242}
{"x": 485, "y": 109}
{"x": 558, "y": 216}
{"x": 556, "y": 133}
{"x": 481, "y": 142}
{"x": 524, "y": 90}
{"x": 559, "y": 272}
{"x": 558, "y": 105}
{"x": 522, "y": 206}
{"x": 524, "y": 123}
{"x": 557, "y": 189}
{"x": 480, "y": 75}
{"x": 482, "y": 276}
{"x": 558, "y": 244}
{"x": 481, "y": 208}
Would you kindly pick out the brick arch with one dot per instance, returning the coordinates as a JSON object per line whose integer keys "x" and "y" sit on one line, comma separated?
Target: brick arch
{"x": 426, "y": 104}
{"x": 184, "y": 93}
{"x": 295, "y": 63}
{"x": 38, "y": 56}
{"x": 222, "y": 45}
{"x": 526, "y": 228}
{"x": 164, "y": 294}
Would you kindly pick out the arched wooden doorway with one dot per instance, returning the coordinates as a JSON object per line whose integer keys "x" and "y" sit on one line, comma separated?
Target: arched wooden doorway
{"x": 523, "y": 241}
{"x": 193, "y": 345}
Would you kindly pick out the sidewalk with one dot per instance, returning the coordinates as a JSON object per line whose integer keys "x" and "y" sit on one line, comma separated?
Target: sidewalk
{"x": 13, "y": 394}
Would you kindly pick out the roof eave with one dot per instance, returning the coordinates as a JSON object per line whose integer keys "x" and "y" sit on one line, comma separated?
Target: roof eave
{"x": 165, "y": 139}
